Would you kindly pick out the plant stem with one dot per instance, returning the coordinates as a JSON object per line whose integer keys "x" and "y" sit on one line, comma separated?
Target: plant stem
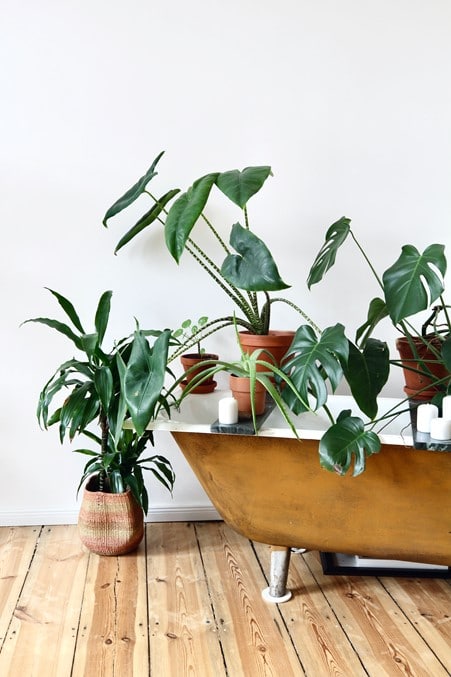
{"x": 300, "y": 311}
{"x": 215, "y": 233}
{"x": 103, "y": 447}
{"x": 367, "y": 260}
{"x": 215, "y": 273}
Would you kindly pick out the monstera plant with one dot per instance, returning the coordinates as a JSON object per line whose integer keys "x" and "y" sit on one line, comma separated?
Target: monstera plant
{"x": 413, "y": 285}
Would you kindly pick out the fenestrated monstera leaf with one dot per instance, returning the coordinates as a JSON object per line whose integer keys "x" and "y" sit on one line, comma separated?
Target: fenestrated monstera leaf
{"x": 253, "y": 268}
{"x": 367, "y": 372}
{"x": 239, "y": 187}
{"x": 134, "y": 192}
{"x": 414, "y": 281}
{"x": 184, "y": 213}
{"x": 376, "y": 312}
{"x": 345, "y": 440}
{"x": 325, "y": 259}
{"x": 314, "y": 361}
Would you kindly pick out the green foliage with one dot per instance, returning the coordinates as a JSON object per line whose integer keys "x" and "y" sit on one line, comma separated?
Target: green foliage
{"x": 189, "y": 330}
{"x": 105, "y": 388}
{"x": 241, "y": 275}
{"x": 346, "y": 440}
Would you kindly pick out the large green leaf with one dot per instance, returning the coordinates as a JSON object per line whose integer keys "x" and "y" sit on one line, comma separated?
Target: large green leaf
{"x": 241, "y": 186}
{"x": 144, "y": 377}
{"x": 253, "y": 268}
{"x": 102, "y": 315}
{"x": 184, "y": 213}
{"x": 314, "y": 361}
{"x": 325, "y": 259}
{"x": 148, "y": 218}
{"x": 345, "y": 440}
{"x": 68, "y": 308}
{"x": 367, "y": 372}
{"x": 414, "y": 281}
{"x": 134, "y": 192}
{"x": 376, "y": 312}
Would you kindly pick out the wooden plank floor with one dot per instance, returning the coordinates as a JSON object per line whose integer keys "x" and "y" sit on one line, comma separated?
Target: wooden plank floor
{"x": 188, "y": 602}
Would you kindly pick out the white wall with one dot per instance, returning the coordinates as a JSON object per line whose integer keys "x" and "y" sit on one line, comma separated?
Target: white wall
{"x": 350, "y": 102}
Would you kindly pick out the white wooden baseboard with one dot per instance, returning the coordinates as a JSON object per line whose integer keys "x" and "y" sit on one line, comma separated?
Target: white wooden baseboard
{"x": 50, "y": 517}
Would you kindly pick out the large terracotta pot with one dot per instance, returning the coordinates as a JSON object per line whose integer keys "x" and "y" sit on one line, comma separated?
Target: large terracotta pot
{"x": 276, "y": 342}
{"x": 240, "y": 387}
{"x": 110, "y": 524}
{"x": 190, "y": 360}
{"x": 419, "y": 386}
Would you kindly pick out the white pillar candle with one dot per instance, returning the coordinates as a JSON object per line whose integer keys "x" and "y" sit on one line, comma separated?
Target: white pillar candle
{"x": 446, "y": 407}
{"x": 425, "y": 414}
{"x": 441, "y": 429}
{"x": 228, "y": 410}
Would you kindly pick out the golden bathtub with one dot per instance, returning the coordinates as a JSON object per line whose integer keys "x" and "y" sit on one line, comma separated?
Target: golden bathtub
{"x": 270, "y": 488}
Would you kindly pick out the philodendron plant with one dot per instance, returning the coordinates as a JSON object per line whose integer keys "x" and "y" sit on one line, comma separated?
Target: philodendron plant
{"x": 107, "y": 388}
{"x": 244, "y": 269}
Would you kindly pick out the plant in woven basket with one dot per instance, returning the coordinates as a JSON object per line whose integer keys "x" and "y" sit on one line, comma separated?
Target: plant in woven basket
{"x": 107, "y": 387}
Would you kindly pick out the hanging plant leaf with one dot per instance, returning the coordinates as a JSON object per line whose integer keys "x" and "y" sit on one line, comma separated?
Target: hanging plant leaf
{"x": 414, "y": 281}
{"x": 184, "y": 213}
{"x": 367, "y": 372}
{"x": 314, "y": 361}
{"x": 148, "y": 218}
{"x": 253, "y": 268}
{"x": 347, "y": 440}
{"x": 240, "y": 186}
{"x": 134, "y": 192}
{"x": 325, "y": 259}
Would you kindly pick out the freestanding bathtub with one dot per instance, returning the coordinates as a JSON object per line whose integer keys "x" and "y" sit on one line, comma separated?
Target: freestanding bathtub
{"x": 270, "y": 488}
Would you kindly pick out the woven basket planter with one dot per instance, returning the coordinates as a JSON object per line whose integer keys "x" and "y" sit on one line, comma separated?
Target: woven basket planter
{"x": 110, "y": 524}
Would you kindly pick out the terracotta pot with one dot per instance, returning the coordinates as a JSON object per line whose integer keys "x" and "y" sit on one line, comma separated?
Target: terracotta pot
{"x": 276, "y": 343}
{"x": 110, "y": 524}
{"x": 239, "y": 386}
{"x": 417, "y": 382}
{"x": 190, "y": 360}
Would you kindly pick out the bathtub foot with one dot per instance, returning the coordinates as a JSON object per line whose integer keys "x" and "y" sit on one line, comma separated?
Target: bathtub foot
{"x": 277, "y": 591}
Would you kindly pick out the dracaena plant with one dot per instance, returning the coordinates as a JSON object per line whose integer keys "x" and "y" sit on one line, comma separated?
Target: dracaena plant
{"x": 107, "y": 388}
{"x": 412, "y": 285}
{"x": 244, "y": 267}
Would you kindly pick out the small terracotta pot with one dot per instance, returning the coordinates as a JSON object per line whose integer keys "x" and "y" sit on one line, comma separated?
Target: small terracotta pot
{"x": 417, "y": 382}
{"x": 276, "y": 343}
{"x": 110, "y": 524}
{"x": 240, "y": 387}
{"x": 190, "y": 360}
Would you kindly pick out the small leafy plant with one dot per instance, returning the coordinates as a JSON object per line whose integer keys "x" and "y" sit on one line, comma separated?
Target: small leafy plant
{"x": 189, "y": 330}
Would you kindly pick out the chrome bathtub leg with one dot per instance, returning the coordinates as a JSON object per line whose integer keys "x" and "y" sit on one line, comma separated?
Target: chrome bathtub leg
{"x": 280, "y": 562}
